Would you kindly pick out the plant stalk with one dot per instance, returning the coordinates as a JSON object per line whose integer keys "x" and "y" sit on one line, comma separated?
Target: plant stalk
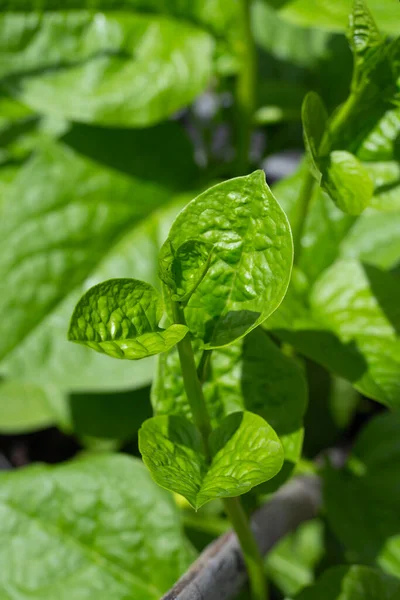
{"x": 303, "y": 204}
{"x": 233, "y": 506}
{"x": 251, "y": 552}
{"x": 193, "y": 388}
{"x": 245, "y": 91}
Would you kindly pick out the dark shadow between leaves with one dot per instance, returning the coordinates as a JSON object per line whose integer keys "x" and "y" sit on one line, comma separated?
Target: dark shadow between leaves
{"x": 139, "y": 152}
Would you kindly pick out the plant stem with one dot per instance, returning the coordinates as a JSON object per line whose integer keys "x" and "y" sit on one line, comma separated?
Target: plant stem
{"x": 303, "y": 204}
{"x": 193, "y": 388}
{"x": 245, "y": 91}
{"x": 203, "y": 365}
{"x": 233, "y": 506}
{"x": 251, "y": 552}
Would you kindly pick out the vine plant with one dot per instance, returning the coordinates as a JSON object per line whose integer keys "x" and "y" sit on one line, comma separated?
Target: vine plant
{"x": 225, "y": 268}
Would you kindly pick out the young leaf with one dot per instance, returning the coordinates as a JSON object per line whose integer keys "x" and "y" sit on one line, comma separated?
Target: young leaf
{"x": 250, "y": 265}
{"x": 354, "y": 582}
{"x": 120, "y": 318}
{"x": 363, "y": 33}
{"x": 314, "y": 118}
{"x": 76, "y": 530}
{"x": 245, "y": 451}
{"x": 347, "y": 182}
{"x": 237, "y": 379}
{"x": 183, "y": 270}
{"x": 366, "y": 491}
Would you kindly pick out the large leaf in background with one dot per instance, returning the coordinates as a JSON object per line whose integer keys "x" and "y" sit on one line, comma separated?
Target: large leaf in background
{"x": 45, "y": 358}
{"x": 251, "y": 374}
{"x": 334, "y": 14}
{"x": 62, "y": 215}
{"x": 106, "y": 68}
{"x": 252, "y": 253}
{"x": 349, "y": 323}
{"x": 355, "y": 582}
{"x": 245, "y": 451}
{"x": 77, "y": 529}
{"x": 362, "y": 500}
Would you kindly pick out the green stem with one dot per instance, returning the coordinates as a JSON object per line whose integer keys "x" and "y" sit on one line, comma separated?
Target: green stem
{"x": 251, "y": 552}
{"x": 193, "y": 388}
{"x": 303, "y": 204}
{"x": 233, "y": 507}
{"x": 245, "y": 91}
{"x": 204, "y": 363}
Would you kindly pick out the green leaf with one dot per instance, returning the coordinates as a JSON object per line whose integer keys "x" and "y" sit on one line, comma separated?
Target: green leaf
{"x": 251, "y": 374}
{"x": 251, "y": 261}
{"x": 355, "y": 582}
{"x": 347, "y": 182}
{"x": 363, "y": 34}
{"x": 120, "y": 318}
{"x": 77, "y": 530}
{"x": 245, "y": 451}
{"x": 183, "y": 270}
{"x": 101, "y": 71}
{"x": 333, "y": 14}
{"x": 366, "y": 492}
{"x": 64, "y": 213}
{"x": 24, "y": 407}
{"x": 314, "y": 118}
{"x": 348, "y": 322}
{"x": 325, "y": 226}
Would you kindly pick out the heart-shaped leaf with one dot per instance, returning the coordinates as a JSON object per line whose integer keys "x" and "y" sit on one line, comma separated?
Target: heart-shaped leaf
{"x": 120, "y": 318}
{"x": 252, "y": 255}
{"x": 245, "y": 451}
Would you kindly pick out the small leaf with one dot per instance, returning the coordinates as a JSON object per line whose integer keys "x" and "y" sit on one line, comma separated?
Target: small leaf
{"x": 251, "y": 261}
{"x": 363, "y": 33}
{"x": 347, "y": 182}
{"x": 76, "y": 530}
{"x": 354, "y": 582}
{"x": 183, "y": 270}
{"x": 120, "y": 318}
{"x": 314, "y": 118}
{"x": 245, "y": 451}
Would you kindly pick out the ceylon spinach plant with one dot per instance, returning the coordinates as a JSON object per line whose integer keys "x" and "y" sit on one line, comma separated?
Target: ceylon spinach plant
{"x": 259, "y": 362}
{"x": 225, "y": 267}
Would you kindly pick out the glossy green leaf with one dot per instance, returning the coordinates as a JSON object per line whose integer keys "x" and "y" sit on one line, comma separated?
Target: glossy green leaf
{"x": 251, "y": 260}
{"x": 333, "y": 14}
{"x": 76, "y": 530}
{"x": 355, "y": 582}
{"x": 362, "y": 499}
{"x": 251, "y": 374}
{"x": 120, "y": 318}
{"x": 245, "y": 451}
{"x": 347, "y": 182}
{"x": 314, "y": 118}
{"x": 183, "y": 270}
{"x": 97, "y": 67}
